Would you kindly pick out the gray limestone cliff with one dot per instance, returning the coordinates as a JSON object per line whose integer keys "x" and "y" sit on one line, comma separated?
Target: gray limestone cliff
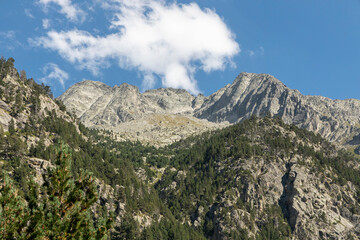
{"x": 100, "y": 106}
{"x": 159, "y": 116}
{"x": 261, "y": 94}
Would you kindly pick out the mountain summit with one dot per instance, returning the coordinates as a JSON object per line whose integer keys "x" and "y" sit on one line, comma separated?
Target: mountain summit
{"x": 261, "y": 94}
{"x": 100, "y": 106}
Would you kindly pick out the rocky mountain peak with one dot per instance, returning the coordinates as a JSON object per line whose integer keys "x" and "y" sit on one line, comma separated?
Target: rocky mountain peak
{"x": 253, "y": 80}
{"x": 250, "y": 94}
{"x": 124, "y": 87}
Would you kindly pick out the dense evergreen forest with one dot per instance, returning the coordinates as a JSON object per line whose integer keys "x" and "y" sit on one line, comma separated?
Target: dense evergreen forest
{"x": 175, "y": 185}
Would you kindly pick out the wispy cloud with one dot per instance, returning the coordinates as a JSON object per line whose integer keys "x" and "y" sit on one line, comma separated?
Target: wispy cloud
{"x": 46, "y": 23}
{"x": 257, "y": 52}
{"x": 70, "y": 10}
{"x": 53, "y": 72}
{"x": 8, "y": 35}
{"x": 8, "y": 40}
{"x": 28, "y": 13}
{"x": 171, "y": 41}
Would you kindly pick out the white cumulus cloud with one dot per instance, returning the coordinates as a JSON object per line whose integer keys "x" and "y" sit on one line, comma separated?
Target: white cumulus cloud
{"x": 168, "y": 40}
{"x": 70, "y": 10}
{"x": 53, "y": 72}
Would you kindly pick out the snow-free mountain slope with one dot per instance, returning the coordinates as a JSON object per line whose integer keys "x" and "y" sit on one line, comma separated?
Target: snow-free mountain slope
{"x": 260, "y": 94}
{"x": 100, "y": 106}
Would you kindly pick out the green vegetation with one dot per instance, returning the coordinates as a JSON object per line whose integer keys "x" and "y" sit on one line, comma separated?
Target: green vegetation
{"x": 205, "y": 181}
{"x": 112, "y": 162}
{"x": 60, "y": 210}
{"x": 214, "y": 168}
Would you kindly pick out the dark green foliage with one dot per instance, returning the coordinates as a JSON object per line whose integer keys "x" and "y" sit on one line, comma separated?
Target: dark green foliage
{"x": 273, "y": 226}
{"x": 13, "y": 147}
{"x": 13, "y": 212}
{"x": 6, "y": 66}
{"x": 61, "y": 105}
{"x": 42, "y": 89}
{"x": 12, "y": 127}
{"x": 203, "y": 183}
{"x": 18, "y": 107}
{"x": 23, "y": 76}
{"x": 231, "y": 147}
{"x": 115, "y": 167}
{"x": 67, "y": 209}
{"x": 61, "y": 210}
{"x": 170, "y": 230}
{"x": 128, "y": 229}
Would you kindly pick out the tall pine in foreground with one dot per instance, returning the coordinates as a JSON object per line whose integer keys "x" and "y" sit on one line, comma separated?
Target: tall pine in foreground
{"x": 61, "y": 210}
{"x": 13, "y": 213}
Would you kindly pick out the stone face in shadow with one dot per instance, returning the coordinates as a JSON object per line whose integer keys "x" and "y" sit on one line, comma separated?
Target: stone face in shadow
{"x": 286, "y": 199}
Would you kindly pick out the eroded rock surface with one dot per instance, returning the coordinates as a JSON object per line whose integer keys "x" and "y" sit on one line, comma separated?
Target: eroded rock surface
{"x": 261, "y": 94}
{"x": 100, "y": 106}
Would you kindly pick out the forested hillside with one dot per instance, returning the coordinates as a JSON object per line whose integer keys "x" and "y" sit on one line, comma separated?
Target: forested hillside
{"x": 34, "y": 126}
{"x": 263, "y": 179}
{"x": 259, "y": 179}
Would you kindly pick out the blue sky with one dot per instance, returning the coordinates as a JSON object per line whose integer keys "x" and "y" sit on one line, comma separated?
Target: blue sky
{"x": 310, "y": 45}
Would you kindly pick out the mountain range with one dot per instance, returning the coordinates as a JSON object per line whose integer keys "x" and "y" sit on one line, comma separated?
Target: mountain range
{"x": 155, "y": 113}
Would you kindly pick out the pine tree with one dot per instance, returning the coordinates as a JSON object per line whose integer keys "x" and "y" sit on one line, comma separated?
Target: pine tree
{"x": 23, "y": 76}
{"x": 69, "y": 202}
{"x": 2, "y": 139}
{"x": 18, "y": 102}
{"x": 13, "y": 214}
{"x": 60, "y": 211}
{"x": 12, "y": 127}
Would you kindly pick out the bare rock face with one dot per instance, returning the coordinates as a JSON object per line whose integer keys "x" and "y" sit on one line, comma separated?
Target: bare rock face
{"x": 314, "y": 209}
{"x": 87, "y": 93}
{"x": 261, "y": 94}
{"x": 158, "y": 117}
{"x": 317, "y": 205}
{"x": 100, "y": 106}
{"x": 41, "y": 167}
{"x": 96, "y": 104}
{"x": 162, "y": 129}
{"x": 22, "y": 112}
{"x": 5, "y": 119}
